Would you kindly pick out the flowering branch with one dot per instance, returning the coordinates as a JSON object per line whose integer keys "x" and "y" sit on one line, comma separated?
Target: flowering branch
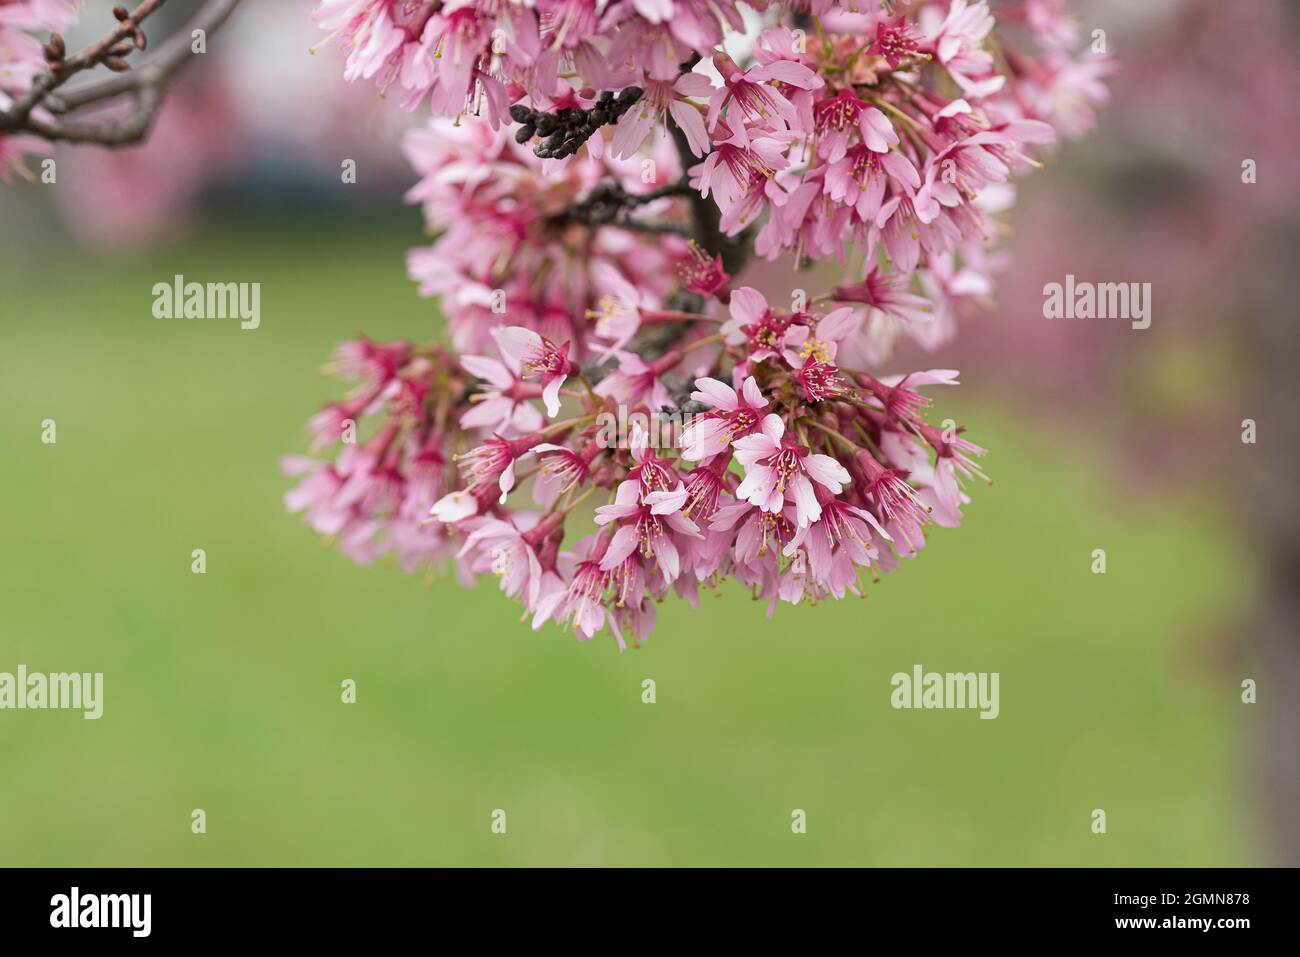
{"x": 611, "y": 204}
{"x": 853, "y": 135}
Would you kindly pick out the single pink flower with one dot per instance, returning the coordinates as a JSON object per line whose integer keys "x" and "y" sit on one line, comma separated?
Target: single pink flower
{"x": 583, "y": 605}
{"x": 839, "y": 116}
{"x": 701, "y": 274}
{"x": 761, "y": 533}
{"x": 535, "y": 355}
{"x": 704, "y": 487}
{"x": 895, "y": 500}
{"x": 636, "y": 380}
{"x": 861, "y": 177}
{"x": 646, "y": 524}
{"x": 819, "y": 380}
{"x": 753, "y": 95}
{"x": 654, "y": 474}
{"x": 505, "y": 406}
{"x": 819, "y": 338}
{"x": 897, "y": 394}
{"x": 620, "y": 309}
{"x": 503, "y": 548}
{"x": 731, "y": 416}
{"x": 842, "y": 527}
{"x": 888, "y": 293}
{"x": 896, "y": 40}
{"x": 752, "y": 321}
{"x": 777, "y": 469}
{"x": 660, "y": 97}
{"x": 741, "y": 173}
{"x": 494, "y": 462}
{"x": 562, "y": 468}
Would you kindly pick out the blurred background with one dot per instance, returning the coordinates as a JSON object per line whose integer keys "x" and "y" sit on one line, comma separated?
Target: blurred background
{"x": 222, "y": 691}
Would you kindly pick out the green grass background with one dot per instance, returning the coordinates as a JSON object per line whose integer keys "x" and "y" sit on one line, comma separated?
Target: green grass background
{"x": 223, "y": 690}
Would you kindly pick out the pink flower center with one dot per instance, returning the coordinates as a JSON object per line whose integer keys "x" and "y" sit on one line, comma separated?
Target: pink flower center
{"x": 839, "y": 112}
{"x": 767, "y": 332}
{"x": 820, "y": 380}
{"x": 865, "y": 164}
{"x": 754, "y": 99}
{"x": 546, "y": 361}
{"x": 786, "y": 464}
{"x": 745, "y": 166}
{"x": 893, "y": 42}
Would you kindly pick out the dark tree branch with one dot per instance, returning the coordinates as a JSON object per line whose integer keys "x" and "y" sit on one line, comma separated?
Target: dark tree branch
{"x": 106, "y": 49}
{"x": 655, "y": 228}
{"x": 172, "y": 56}
{"x": 707, "y": 218}
{"x": 610, "y": 204}
{"x": 146, "y": 85}
{"x": 114, "y": 132}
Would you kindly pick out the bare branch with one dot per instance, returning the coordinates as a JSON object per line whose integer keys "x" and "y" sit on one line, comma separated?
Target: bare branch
{"x": 171, "y": 57}
{"x": 61, "y": 70}
{"x": 146, "y": 85}
{"x": 105, "y": 132}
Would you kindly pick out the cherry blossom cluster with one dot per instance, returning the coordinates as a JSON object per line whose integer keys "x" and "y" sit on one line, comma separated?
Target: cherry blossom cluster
{"x": 511, "y": 242}
{"x": 588, "y": 264}
{"x": 797, "y": 475}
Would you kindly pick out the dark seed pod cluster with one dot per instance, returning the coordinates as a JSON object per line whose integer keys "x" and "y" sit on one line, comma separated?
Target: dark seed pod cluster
{"x": 564, "y": 131}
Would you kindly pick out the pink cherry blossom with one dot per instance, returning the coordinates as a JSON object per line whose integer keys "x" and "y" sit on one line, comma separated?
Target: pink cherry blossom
{"x": 660, "y": 97}
{"x": 494, "y": 462}
{"x": 838, "y": 116}
{"x": 534, "y": 355}
{"x": 753, "y": 95}
{"x": 649, "y": 525}
{"x": 731, "y": 416}
{"x": 505, "y": 405}
{"x": 777, "y": 469}
{"x": 636, "y": 380}
{"x": 501, "y": 547}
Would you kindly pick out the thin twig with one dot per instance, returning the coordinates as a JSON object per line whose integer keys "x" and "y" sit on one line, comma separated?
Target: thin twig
{"x": 147, "y": 84}
{"x": 90, "y": 56}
